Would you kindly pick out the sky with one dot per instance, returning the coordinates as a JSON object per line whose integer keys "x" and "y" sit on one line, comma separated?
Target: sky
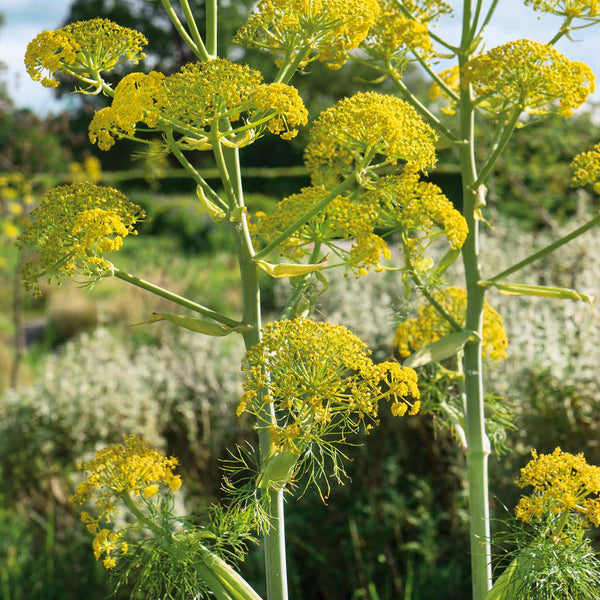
{"x": 24, "y": 19}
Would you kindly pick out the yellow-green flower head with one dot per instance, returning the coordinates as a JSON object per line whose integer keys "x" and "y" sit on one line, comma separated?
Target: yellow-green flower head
{"x": 581, "y": 9}
{"x": 16, "y": 200}
{"x": 107, "y": 544}
{"x": 327, "y": 28}
{"x": 71, "y": 229}
{"x": 363, "y": 129}
{"x": 394, "y": 35}
{"x": 586, "y": 169}
{"x": 138, "y": 97}
{"x": 345, "y": 219}
{"x": 426, "y": 11}
{"x": 528, "y": 76}
{"x": 83, "y": 49}
{"x": 285, "y": 103}
{"x": 88, "y": 170}
{"x": 322, "y": 383}
{"x": 201, "y": 92}
{"x": 429, "y": 326}
{"x": 420, "y": 209}
{"x": 561, "y": 482}
{"x": 132, "y": 471}
{"x": 195, "y": 98}
{"x": 131, "y": 467}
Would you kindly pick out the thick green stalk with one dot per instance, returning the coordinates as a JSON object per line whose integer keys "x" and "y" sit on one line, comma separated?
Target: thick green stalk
{"x": 477, "y": 444}
{"x": 274, "y": 539}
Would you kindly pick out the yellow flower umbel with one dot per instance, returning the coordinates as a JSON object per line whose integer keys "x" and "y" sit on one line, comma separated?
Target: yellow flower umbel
{"x": 195, "y": 99}
{"x": 419, "y": 210}
{"x": 346, "y": 218}
{"x": 322, "y": 384}
{"x": 588, "y": 10}
{"x": 84, "y": 50}
{"x": 132, "y": 473}
{"x": 72, "y": 228}
{"x": 529, "y": 77}
{"x": 395, "y": 34}
{"x": 427, "y": 11}
{"x": 586, "y": 169}
{"x": 16, "y": 201}
{"x": 364, "y": 130}
{"x": 296, "y": 28}
{"x": 562, "y": 483}
{"x": 88, "y": 170}
{"x": 429, "y": 326}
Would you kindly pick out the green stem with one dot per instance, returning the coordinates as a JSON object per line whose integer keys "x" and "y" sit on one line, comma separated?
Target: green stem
{"x": 476, "y": 18}
{"x": 561, "y": 523}
{"x": 213, "y": 583}
{"x": 431, "y": 299}
{"x": 432, "y": 35}
{"x": 288, "y": 68}
{"x": 217, "y": 148}
{"x": 497, "y": 148}
{"x": 477, "y": 443}
{"x": 449, "y": 91}
{"x": 211, "y": 27}
{"x": 192, "y": 171}
{"x": 142, "y": 518}
{"x": 189, "y": 17}
{"x": 421, "y": 108}
{"x": 316, "y": 209}
{"x": 158, "y": 291}
{"x": 488, "y": 18}
{"x": 274, "y": 538}
{"x": 564, "y": 30}
{"x": 547, "y": 250}
{"x": 290, "y": 310}
{"x": 199, "y": 51}
{"x": 230, "y": 579}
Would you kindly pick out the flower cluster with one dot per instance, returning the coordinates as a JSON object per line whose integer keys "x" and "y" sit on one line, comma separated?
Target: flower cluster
{"x": 427, "y": 11}
{"x": 88, "y": 170}
{"x": 83, "y": 49}
{"x": 322, "y": 384}
{"x": 296, "y": 28}
{"x": 283, "y": 107}
{"x": 72, "y": 228}
{"x": 580, "y": 9}
{"x": 138, "y": 97}
{"x": 395, "y": 34}
{"x": 586, "y": 169}
{"x": 528, "y": 76}
{"x": 562, "y": 482}
{"x": 16, "y": 201}
{"x": 429, "y": 326}
{"x": 419, "y": 209}
{"x": 345, "y": 218}
{"x": 195, "y": 98}
{"x": 403, "y": 202}
{"x": 128, "y": 472}
{"x": 367, "y": 126}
